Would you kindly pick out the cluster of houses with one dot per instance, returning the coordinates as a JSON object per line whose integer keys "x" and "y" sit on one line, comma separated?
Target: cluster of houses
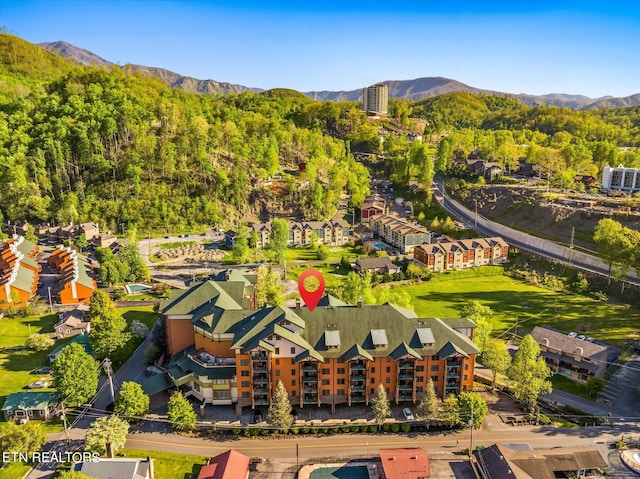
{"x": 462, "y": 254}
{"x": 19, "y": 272}
{"x": 59, "y": 234}
{"x": 76, "y": 281}
{"x": 225, "y": 350}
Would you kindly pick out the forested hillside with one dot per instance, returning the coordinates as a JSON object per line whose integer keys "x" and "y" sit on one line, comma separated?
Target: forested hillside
{"x": 81, "y": 143}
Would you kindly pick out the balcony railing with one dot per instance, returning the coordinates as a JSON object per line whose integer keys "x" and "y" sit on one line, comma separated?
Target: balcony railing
{"x": 356, "y": 389}
{"x": 358, "y": 367}
{"x": 259, "y": 357}
{"x": 209, "y": 361}
{"x": 260, "y": 370}
{"x": 357, "y": 377}
{"x": 306, "y": 369}
{"x": 406, "y": 376}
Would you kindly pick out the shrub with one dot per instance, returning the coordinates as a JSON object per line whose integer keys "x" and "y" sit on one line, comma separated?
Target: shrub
{"x": 313, "y": 430}
{"x": 324, "y": 430}
{"x": 236, "y": 431}
{"x": 395, "y": 427}
{"x": 295, "y": 430}
{"x": 118, "y": 294}
{"x": 305, "y": 430}
{"x": 620, "y": 444}
{"x": 139, "y": 329}
{"x": 363, "y": 428}
{"x": 405, "y": 427}
{"x": 385, "y": 427}
{"x": 354, "y": 428}
{"x": 345, "y": 428}
{"x": 264, "y": 432}
{"x": 372, "y": 428}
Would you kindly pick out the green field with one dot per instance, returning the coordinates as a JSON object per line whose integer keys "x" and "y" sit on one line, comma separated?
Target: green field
{"x": 168, "y": 465}
{"x": 562, "y": 383}
{"x": 530, "y": 306}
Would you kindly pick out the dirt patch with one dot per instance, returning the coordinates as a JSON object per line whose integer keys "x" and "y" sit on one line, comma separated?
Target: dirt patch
{"x": 532, "y": 211}
{"x": 195, "y": 253}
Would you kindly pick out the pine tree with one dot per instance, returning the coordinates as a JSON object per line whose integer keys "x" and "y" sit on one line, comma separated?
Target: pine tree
{"x": 428, "y": 406}
{"x": 279, "y": 414}
{"x": 380, "y": 406}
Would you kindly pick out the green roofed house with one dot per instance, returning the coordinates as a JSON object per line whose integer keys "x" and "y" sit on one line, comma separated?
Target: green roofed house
{"x": 81, "y": 339}
{"x": 29, "y": 405}
{"x": 226, "y": 351}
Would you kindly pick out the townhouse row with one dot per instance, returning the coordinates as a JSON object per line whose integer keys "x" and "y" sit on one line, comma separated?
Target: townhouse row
{"x": 75, "y": 282}
{"x": 462, "y": 254}
{"x": 224, "y": 352}
{"x": 19, "y": 272}
{"x": 302, "y": 233}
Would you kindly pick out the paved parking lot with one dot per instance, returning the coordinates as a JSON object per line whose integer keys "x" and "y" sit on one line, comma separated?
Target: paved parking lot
{"x": 621, "y": 389}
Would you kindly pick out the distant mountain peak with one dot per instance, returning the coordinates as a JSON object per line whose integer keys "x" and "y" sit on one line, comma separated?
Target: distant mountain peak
{"x": 75, "y": 54}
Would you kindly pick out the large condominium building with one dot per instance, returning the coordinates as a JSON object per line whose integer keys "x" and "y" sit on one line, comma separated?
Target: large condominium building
{"x": 375, "y": 99}
{"x": 399, "y": 232}
{"x": 19, "y": 272}
{"x": 462, "y": 254}
{"x": 621, "y": 179}
{"x": 300, "y": 234}
{"x": 223, "y": 351}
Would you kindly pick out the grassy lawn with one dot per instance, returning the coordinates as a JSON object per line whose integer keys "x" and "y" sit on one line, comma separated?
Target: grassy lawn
{"x": 176, "y": 244}
{"x": 16, "y": 366}
{"x": 296, "y": 255}
{"x": 531, "y": 306}
{"x": 333, "y": 275}
{"x": 14, "y": 470}
{"x": 562, "y": 383}
{"x": 144, "y": 315}
{"x": 168, "y": 465}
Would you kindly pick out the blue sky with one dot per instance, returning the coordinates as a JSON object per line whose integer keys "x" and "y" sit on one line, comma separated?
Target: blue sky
{"x": 537, "y": 47}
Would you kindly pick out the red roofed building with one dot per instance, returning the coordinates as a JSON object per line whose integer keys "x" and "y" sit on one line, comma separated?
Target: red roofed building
{"x": 405, "y": 463}
{"x": 228, "y": 465}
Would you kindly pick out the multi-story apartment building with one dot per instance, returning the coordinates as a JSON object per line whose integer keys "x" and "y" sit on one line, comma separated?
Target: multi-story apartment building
{"x": 19, "y": 272}
{"x": 300, "y": 234}
{"x": 399, "y": 232}
{"x": 226, "y": 352}
{"x": 570, "y": 356}
{"x": 75, "y": 282}
{"x": 372, "y": 206}
{"x": 462, "y": 254}
{"x": 621, "y": 179}
{"x": 375, "y": 99}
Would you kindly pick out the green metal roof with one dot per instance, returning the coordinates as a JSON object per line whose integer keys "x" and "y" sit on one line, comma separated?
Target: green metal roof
{"x": 29, "y": 400}
{"x": 201, "y": 296}
{"x": 182, "y": 365}
{"x": 85, "y": 275}
{"x": 24, "y": 280}
{"x": 82, "y": 339}
{"x": 26, "y": 247}
{"x": 156, "y": 383}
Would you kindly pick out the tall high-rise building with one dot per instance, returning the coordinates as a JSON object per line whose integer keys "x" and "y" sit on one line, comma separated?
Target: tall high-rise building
{"x": 375, "y": 99}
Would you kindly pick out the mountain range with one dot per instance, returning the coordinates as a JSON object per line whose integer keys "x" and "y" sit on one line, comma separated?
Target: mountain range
{"x": 416, "y": 89}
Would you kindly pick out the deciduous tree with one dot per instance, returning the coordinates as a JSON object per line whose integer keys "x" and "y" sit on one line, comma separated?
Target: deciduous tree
{"x": 75, "y": 374}
{"x": 22, "y": 438}
{"x": 472, "y": 401}
{"x": 529, "y": 373}
{"x": 180, "y": 413}
{"x": 497, "y": 358}
{"x": 39, "y": 342}
{"x": 131, "y": 401}
{"x": 107, "y": 430}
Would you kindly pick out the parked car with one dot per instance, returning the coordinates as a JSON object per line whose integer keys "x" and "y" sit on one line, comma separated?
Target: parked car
{"x": 572, "y": 334}
{"x": 408, "y": 415}
{"x": 37, "y": 384}
{"x": 581, "y": 337}
{"x": 43, "y": 370}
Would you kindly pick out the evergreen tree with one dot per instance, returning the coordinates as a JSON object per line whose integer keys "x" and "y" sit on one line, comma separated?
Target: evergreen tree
{"x": 380, "y": 405}
{"x": 279, "y": 414}
{"x": 429, "y": 405}
{"x": 107, "y": 429}
{"x": 180, "y": 413}
{"x": 131, "y": 401}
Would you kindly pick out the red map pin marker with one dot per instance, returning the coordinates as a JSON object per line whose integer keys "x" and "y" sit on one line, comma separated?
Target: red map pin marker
{"x": 311, "y": 298}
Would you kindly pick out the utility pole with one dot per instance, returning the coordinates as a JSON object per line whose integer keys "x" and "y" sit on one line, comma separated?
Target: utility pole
{"x": 471, "y": 426}
{"x": 66, "y": 427}
{"x": 573, "y": 230}
{"x": 109, "y": 372}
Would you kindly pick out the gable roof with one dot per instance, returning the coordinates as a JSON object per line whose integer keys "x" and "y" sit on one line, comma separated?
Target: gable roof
{"x": 228, "y": 465}
{"x": 560, "y": 342}
{"x": 119, "y": 468}
{"x": 29, "y": 400}
{"x": 405, "y": 463}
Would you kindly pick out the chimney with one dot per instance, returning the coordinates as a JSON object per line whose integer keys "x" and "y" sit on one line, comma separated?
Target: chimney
{"x": 360, "y": 302}
{"x": 109, "y": 449}
{"x": 298, "y": 304}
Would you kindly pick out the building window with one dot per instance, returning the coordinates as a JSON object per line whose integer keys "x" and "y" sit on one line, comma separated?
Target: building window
{"x": 277, "y": 350}
{"x": 435, "y": 367}
{"x": 388, "y": 380}
{"x": 293, "y": 372}
{"x": 277, "y": 361}
{"x": 293, "y": 350}
{"x": 293, "y": 382}
{"x": 244, "y": 373}
{"x": 466, "y": 367}
{"x": 341, "y": 371}
{"x": 245, "y": 394}
{"x": 373, "y": 381}
{"x": 373, "y": 370}
{"x": 293, "y": 393}
{"x": 245, "y": 384}
{"x": 325, "y": 392}
{"x": 435, "y": 357}
{"x": 419, "y": 368}
{"x": 464, "y": 378}
{"x": 326, "y": 370}
{"x": 341, "y": 392}
{"x": 277, "y": 372}
{"x": 373, "y": 391}
{"x": 388, "y": 369}
{"x": 340, "y": 381}
{"x": 388, "y": 359}
{"x": 196, "y": 386}
{"x": 244, "y": 362}
{"x": 325, "y": 382}
{"x": 420, "y": 379}
{"x": 434, "y": 379}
